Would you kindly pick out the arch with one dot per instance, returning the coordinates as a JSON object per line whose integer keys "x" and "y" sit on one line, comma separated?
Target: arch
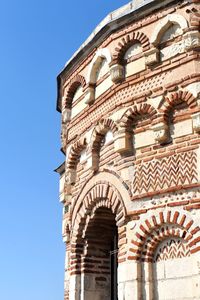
{"x": 109, "y": 182}
{"x": 126, "y": 42}
{"x": 102, "y": 127}
{"x": 75, "y": 153}
{"x": 165, "y": 24}
{"x": 102, "y": 194}
{"x": 176, "y": 98}
{"x": 77, "y": 81}
{"x": 137, "y": 111}
{"x": 101, "y": 54}
{"x": 97, "y": 193}
{"x": 98, "y": 214}
{"x": 156, "y": 228}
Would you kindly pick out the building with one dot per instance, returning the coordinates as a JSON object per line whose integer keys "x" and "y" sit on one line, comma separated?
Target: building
{"x": 130, "y": 185}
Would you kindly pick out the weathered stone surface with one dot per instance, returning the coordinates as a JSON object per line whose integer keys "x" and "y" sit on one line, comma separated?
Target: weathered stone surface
{"x": 130, "y": 184}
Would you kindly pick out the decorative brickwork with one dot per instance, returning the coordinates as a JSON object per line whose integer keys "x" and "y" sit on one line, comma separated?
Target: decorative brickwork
{"x": 75, "y": 152}
{"x": 136, "y": 112}
{"x": 130, "y": 183}
{"x": 158, "y": 174}
{"x": 158, "y": 228}
{"x": 77, "y": 81}
{"x": 103, "y": 126}
{"x": 176, "y": 98}
{"x": 126, "y": 42}
{"x": 174, "y": 248}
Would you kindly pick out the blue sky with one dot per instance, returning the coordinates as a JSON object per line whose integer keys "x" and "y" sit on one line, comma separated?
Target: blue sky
{"x": 37, "y": 38}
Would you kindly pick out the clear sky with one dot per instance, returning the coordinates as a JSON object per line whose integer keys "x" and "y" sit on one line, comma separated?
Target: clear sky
{"x": 37, "y": 38}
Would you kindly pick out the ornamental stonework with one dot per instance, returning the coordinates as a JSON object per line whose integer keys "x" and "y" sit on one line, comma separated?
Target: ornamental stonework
{"x": 129, "y": 101}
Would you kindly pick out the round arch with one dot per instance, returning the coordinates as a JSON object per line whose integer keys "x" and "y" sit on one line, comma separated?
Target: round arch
{"x": 155, "y": 228}
{"x": 137, "y": 111}
{"x": 103, "y": 53}
{"x": 165, "y": 24}
{"x": 104, "y": 186}
{"x": 126, "y": 42}
{"x": 77, "y": 81}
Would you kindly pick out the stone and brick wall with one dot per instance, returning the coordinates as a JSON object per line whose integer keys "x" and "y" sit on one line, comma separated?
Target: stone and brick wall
{"x": 130, "y": 110}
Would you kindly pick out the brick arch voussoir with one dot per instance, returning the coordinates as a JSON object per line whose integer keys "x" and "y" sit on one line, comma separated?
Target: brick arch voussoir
{"x": 77, "y": 81}
{"x": 158, "y": 228}
{"x": 103, "y": 126}
{"x": 131, "y": 115}
{"x": 127, "y": 41}
{"x": 75, "y": 152}
{"x": 101, "y": 195}
{"x": 176, "y": 98}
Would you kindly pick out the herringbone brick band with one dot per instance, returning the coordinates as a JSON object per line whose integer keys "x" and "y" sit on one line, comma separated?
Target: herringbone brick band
{"x": 158, "y": 174}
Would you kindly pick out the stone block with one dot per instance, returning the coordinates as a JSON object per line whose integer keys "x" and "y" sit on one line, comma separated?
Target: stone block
{"x": 152, "y": 56}
{"x": 117, "y": 73}
{"x": 161, "y": 132}
{"x": 123, "y": 142}
{"x": 192, "y": 40}
{"x": 89, "y": 95}
{"x": 196, "y": 122}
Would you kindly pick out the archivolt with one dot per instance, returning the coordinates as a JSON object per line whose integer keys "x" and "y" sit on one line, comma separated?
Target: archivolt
{"x": 102, "y": 194}
{"x": 102, "y": 127}
{"x": 136, "y": 111}
{"x": 176, "y": 98}
{"x": 157, "y": 228}
{"x": 75, "y": 152}
{"x": 77, "y": 81}
{"x": 127, "y": 41}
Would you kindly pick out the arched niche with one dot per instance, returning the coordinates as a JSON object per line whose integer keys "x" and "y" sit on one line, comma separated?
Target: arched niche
{"x": 99, "y": 66}
{"x": 165, "y": 24}
{"x": 73, "y": 158}
{"x": 104, "y": 132}
{"x": 98, "y": 215}
{"x": 165, "y": 247}
{"x": 176, "y": 113}
{"x": 125, "y": 140}
{"x": 73, "y": 92}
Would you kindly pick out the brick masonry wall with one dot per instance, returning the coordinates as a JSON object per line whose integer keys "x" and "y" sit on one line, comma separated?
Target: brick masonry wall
{"x": 145, "y": 180}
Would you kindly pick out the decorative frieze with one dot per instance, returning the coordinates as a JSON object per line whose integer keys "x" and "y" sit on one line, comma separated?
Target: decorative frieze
{"x": 171, "y": 171}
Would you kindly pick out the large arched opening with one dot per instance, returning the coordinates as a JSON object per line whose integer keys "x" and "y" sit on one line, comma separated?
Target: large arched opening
{"x": 100, "y": 256}
{"x": 98, "y": 219}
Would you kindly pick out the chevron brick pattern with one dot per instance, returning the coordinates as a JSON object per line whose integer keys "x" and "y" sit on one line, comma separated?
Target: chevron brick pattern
{"x": 158, "y": 174}
{"x": 172, "y": 249}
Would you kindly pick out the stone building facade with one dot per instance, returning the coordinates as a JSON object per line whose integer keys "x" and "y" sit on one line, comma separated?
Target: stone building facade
{"x": 130, "y": 186}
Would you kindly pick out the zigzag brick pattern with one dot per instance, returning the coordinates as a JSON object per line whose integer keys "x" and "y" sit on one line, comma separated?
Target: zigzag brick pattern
{"x": 172, "y": 249}
{"x": 176, "y": 170}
